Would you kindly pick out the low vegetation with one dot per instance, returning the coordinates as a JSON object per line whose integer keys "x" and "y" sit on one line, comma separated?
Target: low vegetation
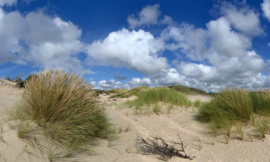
{"x": 148, "y": 100}
{"x": 125, "y": 93}
{"x": 261, "y": 102}
{"x": 188, "y": 90}
{"x": 65, "y": 107}
{"x": 237, "y": 108}
{"x": 155, "y": 95}
{"x": 232, "y": 105}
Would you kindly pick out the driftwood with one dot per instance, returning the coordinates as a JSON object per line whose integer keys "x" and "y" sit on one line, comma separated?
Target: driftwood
{"x": 162, "y": 149}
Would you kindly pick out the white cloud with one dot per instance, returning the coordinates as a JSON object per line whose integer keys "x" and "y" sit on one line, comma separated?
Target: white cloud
{"x": 224, "y": 40}
{"x": 167, "y": 20}
{"x": 136, "y": 50}
{"x": 266, "y": 8}
{"x": 111, "y": 84}
{"x": 8, "y": 2}
{"x": 135, "y": 82}
{"x": 148, "y": 16}
{"x": 169, "y": 77}
{"x": 188, "y": 39}
{"x": 244, "y": 19}
{"x": 43, "y": 40}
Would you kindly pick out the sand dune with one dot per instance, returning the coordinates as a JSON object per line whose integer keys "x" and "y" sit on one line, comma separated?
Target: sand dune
{"x": 180, "y": 121}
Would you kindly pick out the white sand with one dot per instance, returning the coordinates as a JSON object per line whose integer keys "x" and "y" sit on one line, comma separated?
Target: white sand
{"x": 167, "y": 126}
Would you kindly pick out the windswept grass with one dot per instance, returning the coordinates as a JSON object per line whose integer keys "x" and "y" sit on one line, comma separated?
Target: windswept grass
{"x": 261, "y": 102}
{"x": 232, "y": 105}
{"x": 65, "y": 107}
{"x": 238, "y": 107}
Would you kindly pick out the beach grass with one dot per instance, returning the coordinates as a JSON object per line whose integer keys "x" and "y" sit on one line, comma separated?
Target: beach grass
{"x": 156, "y": 95}
{"x": 151, "y": 99}
{"x": 65, "y": 107}
{"x": 233, "y": 105}
{"x": 261, "y": 102}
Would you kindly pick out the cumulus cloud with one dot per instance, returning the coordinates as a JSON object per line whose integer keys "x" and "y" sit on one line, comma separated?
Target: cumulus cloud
{"x": 111, "y": 84}
{"x": 8, "y": 2}
{"x": 266, "y": 8}
{"x": 136, "y": 50}
{"x": 135, "y": 82}
{"x": 243, "y": 19}
{"x": 223, "y": 46}
{"x": 43, "y": 40}
{"x": 149, "y": 15}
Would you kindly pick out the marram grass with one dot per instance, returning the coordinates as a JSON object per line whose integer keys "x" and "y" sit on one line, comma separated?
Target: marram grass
{"x": 65, "y": 107}
{"x": 237, "y": 107}
{"x": 261, "y": 102}
{"x": 155, "y": 95}
{"x": 229, "y": 105}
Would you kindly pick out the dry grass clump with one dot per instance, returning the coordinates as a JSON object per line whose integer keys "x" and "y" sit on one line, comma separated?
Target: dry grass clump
{"x": 65, "y": 107}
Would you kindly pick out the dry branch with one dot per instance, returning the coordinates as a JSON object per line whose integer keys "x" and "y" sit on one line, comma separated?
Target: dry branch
{"x": 162, "y": 149}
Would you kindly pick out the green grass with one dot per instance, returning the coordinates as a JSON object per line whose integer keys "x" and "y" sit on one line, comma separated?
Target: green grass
{"x": 237, "y": 108}
{"x": 156, "y": 95}
{"x": 187, "y": 90}
{"x": 149, "y": 100}
{"x": 65, "y": 107}
{"x": 229, "y": 105}
{"x": 197, "y": 103}
{"x": 125, "y": 93}
{"x": 261, "y": 102}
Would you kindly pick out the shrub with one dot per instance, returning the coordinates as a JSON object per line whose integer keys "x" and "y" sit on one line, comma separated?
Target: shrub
{"x": 20, "y": 83}
{"x": 227, "y": 107}
{"x": 30, "y": 77}
{"x": 261, "y": 102}
{"x": 64, "y": 106}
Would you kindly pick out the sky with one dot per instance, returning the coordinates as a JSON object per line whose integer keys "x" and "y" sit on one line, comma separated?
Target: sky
{"x": 206, "y": 44}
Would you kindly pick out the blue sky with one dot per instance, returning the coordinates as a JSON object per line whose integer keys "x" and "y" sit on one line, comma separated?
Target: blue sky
{"x": 210, "y": 45}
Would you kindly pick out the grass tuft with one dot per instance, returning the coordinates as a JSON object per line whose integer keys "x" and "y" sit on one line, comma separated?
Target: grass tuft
{"x": 229, "y": 105}
{"x": 261, "y": 102}
{"x": 155, "y": 96}
{"x": 65, "y": 107}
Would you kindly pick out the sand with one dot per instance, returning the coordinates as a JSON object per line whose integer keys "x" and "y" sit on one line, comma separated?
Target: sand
{"x": 180, "y": 121}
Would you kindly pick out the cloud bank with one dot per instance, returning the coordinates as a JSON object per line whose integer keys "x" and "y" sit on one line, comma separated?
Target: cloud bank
{"x": 211, "y": 58}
